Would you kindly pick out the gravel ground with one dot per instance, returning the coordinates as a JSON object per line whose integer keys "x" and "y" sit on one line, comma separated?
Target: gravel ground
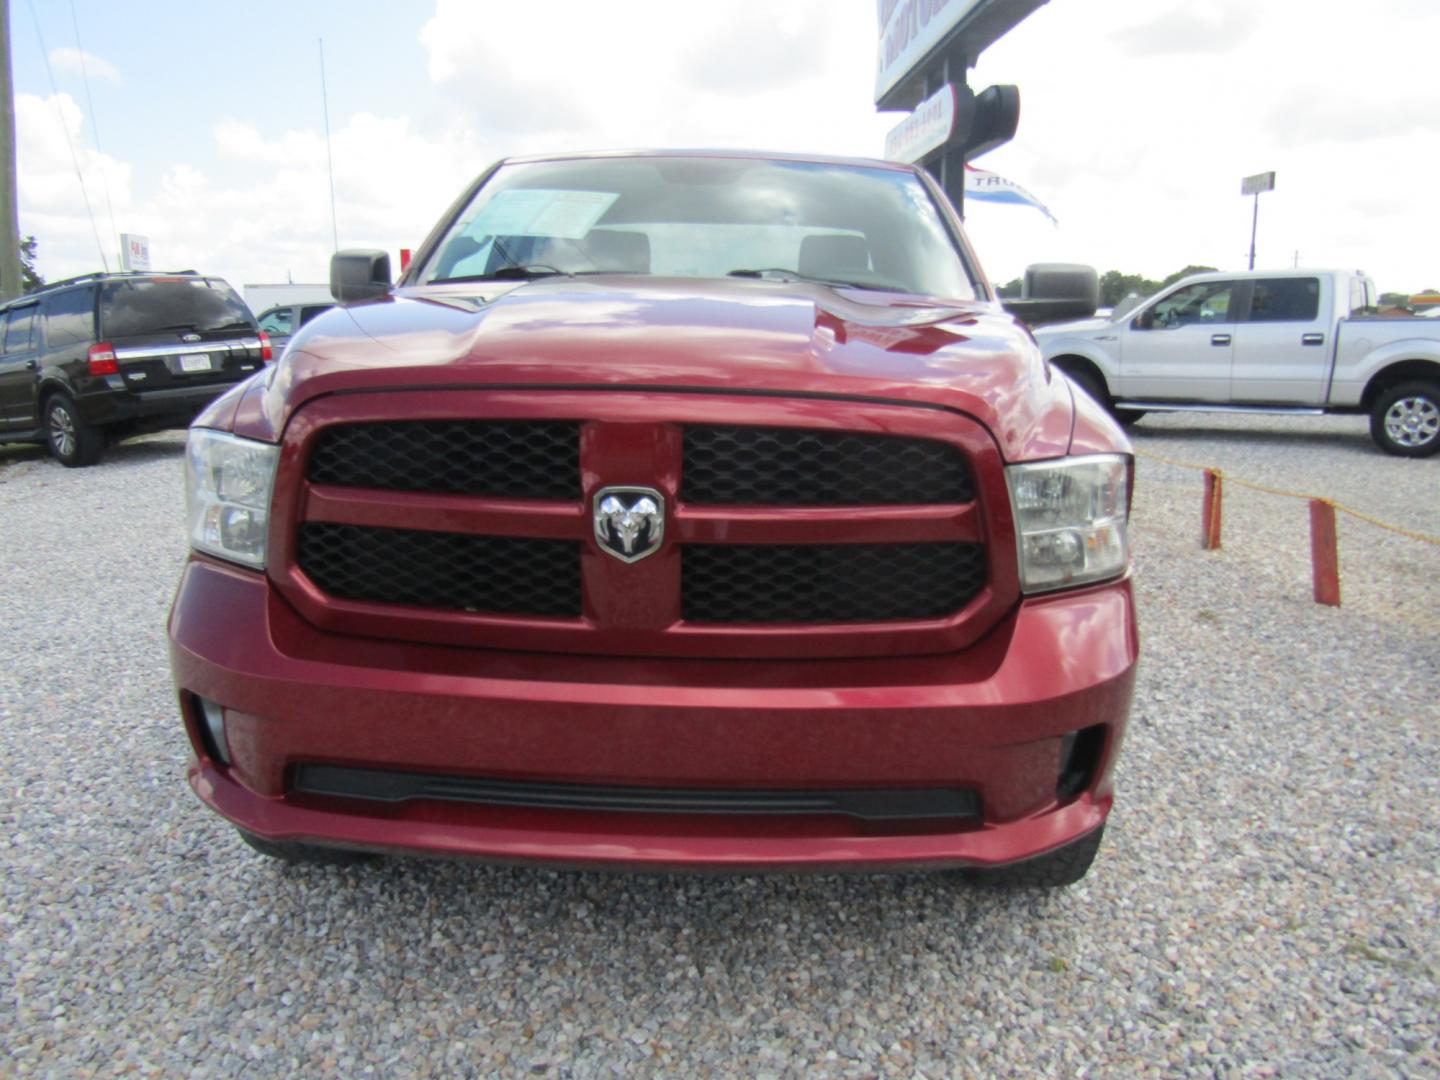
{"x": 1266, "y": 903}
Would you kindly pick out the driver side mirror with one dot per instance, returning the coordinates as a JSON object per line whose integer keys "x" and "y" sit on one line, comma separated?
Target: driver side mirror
{"x": 359, "y": 274}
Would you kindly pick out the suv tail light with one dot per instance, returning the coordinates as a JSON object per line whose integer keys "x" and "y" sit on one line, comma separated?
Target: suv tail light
{"x": 102, "y": 359}
{"x": 266, "y": 352}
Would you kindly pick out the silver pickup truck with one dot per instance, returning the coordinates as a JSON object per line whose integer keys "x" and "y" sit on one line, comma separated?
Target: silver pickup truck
{"x": 1278, "y": 341}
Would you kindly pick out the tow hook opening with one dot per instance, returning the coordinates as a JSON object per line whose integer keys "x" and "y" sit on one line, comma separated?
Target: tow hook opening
{"x": 1080, "y": 753}
{"x": 209, "y": 719}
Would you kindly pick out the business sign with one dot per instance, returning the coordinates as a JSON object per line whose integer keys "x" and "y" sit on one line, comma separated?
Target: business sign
{"x": 1254, "y": 185}
{"x": 909, "y": 29}
{"x": 925, "y": 130}
{"x": 134, "y": 251}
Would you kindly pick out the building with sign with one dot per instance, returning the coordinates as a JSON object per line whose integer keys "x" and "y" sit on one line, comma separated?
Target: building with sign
{"x": 926, "y": 47}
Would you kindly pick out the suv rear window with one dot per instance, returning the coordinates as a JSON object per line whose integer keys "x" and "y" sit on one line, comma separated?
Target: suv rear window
{"x": 157, "y": 305}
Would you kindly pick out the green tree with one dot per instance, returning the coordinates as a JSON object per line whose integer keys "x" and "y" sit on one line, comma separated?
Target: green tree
{"x": 1186, "y": 273}
{"x": 30, "y": 278}
{"x": 1115, "y": 286}
{"x": 1012, "y": 290}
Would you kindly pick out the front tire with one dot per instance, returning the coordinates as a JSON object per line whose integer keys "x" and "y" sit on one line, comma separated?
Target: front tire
{"x": 1054, "y": 870}
{"x": 1406, "y": 420}
{"x": 71, "y": 441}
{"x": 1092, "y": 384}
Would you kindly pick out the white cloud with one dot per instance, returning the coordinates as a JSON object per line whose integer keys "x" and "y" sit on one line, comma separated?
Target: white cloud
{"x": 51, "y": 198}
{"x": 1141, "y": 158}
{"x": 69, "y": 61}
{"x": 1190, "y": 27}
{"x": 656, "y": 73}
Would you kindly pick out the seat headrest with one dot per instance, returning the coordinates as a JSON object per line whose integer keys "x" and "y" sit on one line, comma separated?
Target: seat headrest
{"x": 832, "y": 253}
{"x": 611, "y": 249}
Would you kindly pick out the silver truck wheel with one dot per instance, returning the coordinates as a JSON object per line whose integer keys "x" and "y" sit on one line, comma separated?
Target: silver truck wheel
{"x": 1406, "y": 420}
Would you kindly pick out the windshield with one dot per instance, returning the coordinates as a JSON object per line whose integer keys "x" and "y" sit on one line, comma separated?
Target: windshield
{"x": 157, "y": 305}
{"x": 706, "y": 217}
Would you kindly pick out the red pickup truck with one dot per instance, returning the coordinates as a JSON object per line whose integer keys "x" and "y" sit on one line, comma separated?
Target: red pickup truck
{"x": 695, "y": 510}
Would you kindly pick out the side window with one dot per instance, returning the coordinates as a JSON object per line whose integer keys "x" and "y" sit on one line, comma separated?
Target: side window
{"x": 1285, "y": 300}
{"x": 1204, "y": 302}
{"x": 70, "y": 319}
{"x": 308, "y": 313}
{"x": 20, "y": 329}
{"x": 276, "y": 321}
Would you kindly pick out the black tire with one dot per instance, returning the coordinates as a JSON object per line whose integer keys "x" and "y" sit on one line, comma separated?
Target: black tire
{"x": 70, "y": 440}
{"x": 1050, "y": 871}
{"x": 1092, "y": 384}
{"x": 304, "y": 854}
{"x": 1405, "y": 420}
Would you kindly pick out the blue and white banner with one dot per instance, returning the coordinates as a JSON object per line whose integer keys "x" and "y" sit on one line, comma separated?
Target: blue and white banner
{"x": 988, "y": 187}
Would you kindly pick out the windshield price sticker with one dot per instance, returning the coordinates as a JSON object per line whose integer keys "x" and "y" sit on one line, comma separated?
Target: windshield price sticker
{"x": 567, "y": 215}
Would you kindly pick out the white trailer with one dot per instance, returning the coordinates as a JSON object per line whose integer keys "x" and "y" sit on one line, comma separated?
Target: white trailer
{"x": 261, "y": 297}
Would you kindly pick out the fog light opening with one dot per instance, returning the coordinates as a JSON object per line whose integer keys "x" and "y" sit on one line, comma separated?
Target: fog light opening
{"x": 213, "y": 718}
{"x": 1079, "y": 758}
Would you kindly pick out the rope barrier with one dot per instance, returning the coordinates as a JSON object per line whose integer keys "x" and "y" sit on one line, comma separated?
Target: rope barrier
{"x": 1368, "y": 519}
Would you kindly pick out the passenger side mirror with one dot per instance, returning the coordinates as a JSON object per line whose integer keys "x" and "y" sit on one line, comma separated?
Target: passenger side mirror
{"x": 1055, "y": 292}
{"x": 360, "y": 274}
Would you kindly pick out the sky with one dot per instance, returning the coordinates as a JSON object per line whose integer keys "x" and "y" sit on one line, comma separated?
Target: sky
{"x": 202, "y": 125}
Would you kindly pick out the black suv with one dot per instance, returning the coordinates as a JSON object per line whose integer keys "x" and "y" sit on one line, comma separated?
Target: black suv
{"x": 115, "y": 354}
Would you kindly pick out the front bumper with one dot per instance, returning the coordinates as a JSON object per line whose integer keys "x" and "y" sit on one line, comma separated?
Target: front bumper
{"x": 992, "y": 719}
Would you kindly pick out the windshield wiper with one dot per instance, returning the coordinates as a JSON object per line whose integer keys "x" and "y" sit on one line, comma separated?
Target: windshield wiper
{"x": 783, "y": 273}
{"x": 512, "y": 272}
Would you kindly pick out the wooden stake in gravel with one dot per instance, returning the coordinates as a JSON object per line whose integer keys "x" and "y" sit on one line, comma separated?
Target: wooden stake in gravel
{"x": 1210, "y": 512}
{"x": 1324, "y": 553}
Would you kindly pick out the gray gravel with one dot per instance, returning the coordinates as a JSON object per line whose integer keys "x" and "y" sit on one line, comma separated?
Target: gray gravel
{"x": 1266, "y": 903}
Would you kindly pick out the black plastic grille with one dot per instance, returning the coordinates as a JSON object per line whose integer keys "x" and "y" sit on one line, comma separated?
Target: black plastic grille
{"x": 496, "y": 574}
{"x": 537, "y": 459}
{"x": 739, "y": 466}
{"x": 868, "y": 804}
{"x": 823, "y": 583}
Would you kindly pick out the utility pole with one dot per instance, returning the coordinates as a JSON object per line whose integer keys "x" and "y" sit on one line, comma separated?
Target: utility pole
{"x": 9, "y": 215}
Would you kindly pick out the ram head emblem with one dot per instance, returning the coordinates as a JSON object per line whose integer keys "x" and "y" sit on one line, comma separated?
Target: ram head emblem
{"x": 629, "y": 522}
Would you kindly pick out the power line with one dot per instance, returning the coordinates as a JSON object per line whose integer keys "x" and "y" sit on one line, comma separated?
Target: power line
{"x": 74, "y": 157}
{"x": 94, "y": 124}
{"x": 329, "y": 161}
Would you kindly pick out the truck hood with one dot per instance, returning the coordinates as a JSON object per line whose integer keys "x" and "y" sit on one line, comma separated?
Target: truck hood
{"x": 643, "y": 332}
{"x": 1068, "y": 329}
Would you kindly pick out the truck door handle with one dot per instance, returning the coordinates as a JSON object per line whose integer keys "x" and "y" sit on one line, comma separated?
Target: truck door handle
{"x": 1219, "y": 339}
{"x": 1312, "y": 339}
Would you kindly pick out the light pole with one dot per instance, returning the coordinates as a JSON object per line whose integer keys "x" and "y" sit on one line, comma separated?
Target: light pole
{"x": 1254, "y": 185}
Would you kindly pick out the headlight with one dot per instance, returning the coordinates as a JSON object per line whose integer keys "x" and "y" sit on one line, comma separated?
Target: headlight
{"x": 228, "y": 482}
{"x": 1070, "y": 519}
